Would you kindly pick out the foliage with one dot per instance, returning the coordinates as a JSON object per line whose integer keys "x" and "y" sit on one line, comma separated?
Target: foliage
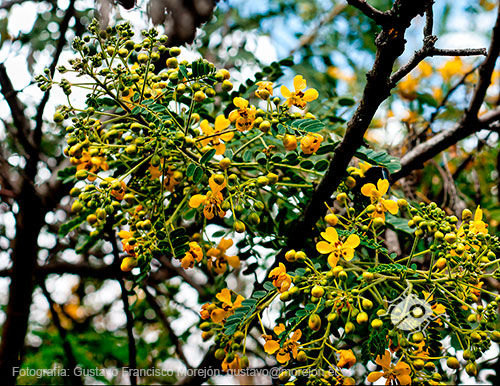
{"x": 161, "y": 156}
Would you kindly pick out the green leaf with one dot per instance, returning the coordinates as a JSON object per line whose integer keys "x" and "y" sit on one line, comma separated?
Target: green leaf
{"x": 268, "y": 286}
{"x": 309, "y": 125}
{"x": 178, "y": 232}
{"x": 183, "y": 71}
{"x": 67, "y": 175}
{"x": 346, "y": 101}
{"x": 321, "y": 165}
{"x": 327, "y": 148}
{"x": 287, "y": 62}
{"x": 207, "y": 156}
{"x": 198, "y": 174}
{"x": 190, "y": 170}
{"x": 259, "y": 294}
{"x": 87, "y": 242}
{"x": 218, "y": 233}
{"x": 381, "y": 158}
{"x": 74, "y": 223}
{"x": 398, "y": 224}
{"x": 427, "y": 99}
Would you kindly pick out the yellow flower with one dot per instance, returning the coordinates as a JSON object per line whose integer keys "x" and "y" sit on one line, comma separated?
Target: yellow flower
{"x": 400, "y": 372}
{"x": 265, "y": 89}
{"x": 361, "y": 170}
{"x": 221, "y": 123}
{"x": 437, "y": 308}
{"x": 228, "y": 306}
{"x": 425, "y": 69}
{"x": 311, "y": 143}
{"x": 408, "y": 87}
{"x": 118, "y": 191}
{"x": 220, "y": 259}
{"x": 290, "y": 142}
{"x": 171, "y": 179}
{"x": 281, "y": 280}
{"x": 128, "y": 264}
{"x": 375, "y": 194}
{"x": 478, "y": 225}
{"x": 127, "y": 247}
{"x": 244, "y": 116}
{"x": 290, "y": 346}
{"x": 234, "y": 365}
{"x": 337, "y": 73}
{"x": 335, "y": 247}
{"x": 212, "y": 200}
{"x": 347, "y": 359}
{"x": 451, "y": 67}
{"x": 92, "y": 164}
{"x": 299, "y": 98}
{"x": 194, "y": 254}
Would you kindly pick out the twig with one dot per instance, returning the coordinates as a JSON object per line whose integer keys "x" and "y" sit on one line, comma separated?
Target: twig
{"x": 132, "y": 350}
{"x": 470, "y": 122}
{"x": 70, "y": 11}
{"x": 306, "y": 40}
{"x": 428, "y": 50}
{"x": 68, "y": 351}
{"x": 173, "y": 337}
{"x": 379, "y": 17}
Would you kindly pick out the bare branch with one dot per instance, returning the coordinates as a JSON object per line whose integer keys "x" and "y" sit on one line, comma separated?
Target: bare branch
{"x": 428, "y": 50}
{"x": 379, "y": 17}
{"x": 19, "y": 119}
{"x": 470, "y": 122}
{"x": 68, "y": 351}
{"x": 70, "y": 11}
{"x": 307, "y": 39}
{"x": 166, "y": 324}
{"x": 132, "y": 350}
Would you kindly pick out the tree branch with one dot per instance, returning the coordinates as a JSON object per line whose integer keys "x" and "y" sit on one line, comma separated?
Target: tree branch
{"x": 68, "y": 351}
{"x": 132, "y": 350}
{"x": 173, "y": 337}
{"x": 379, "y": 17}
{"x": 390, "y": 45}
{"x": 70, "y": 11}
{"x": 470, "y": 122}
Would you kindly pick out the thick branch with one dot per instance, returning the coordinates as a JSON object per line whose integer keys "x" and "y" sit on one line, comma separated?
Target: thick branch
{"x": 423, "y": 152}
{"x": 390, "y": 45}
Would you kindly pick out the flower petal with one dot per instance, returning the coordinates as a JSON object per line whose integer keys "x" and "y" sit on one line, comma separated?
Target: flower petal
{"x": 271, "y": 347}
{"x": 285, "y": 92}
{"x": 367, "y": 189}
{"x": 221, "y": 123}
{"x": 299, "y": 83}
{"x": 310, "y": 95}
{"x": 197, "y": 200}
{"x": 382, "y": 186}
{"x": 324, "y": 247}
{"x": 391, "y": 206}
{"x": 374, "y": 376}
{"x": 218, "y": 315}
{"x": 331, "y": 235}
{"x": 333, "y": 260}
{"x": 352, "y": 241}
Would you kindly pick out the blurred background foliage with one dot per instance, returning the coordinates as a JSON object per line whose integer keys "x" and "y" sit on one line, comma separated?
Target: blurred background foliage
{"x": 332, "y": 46}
